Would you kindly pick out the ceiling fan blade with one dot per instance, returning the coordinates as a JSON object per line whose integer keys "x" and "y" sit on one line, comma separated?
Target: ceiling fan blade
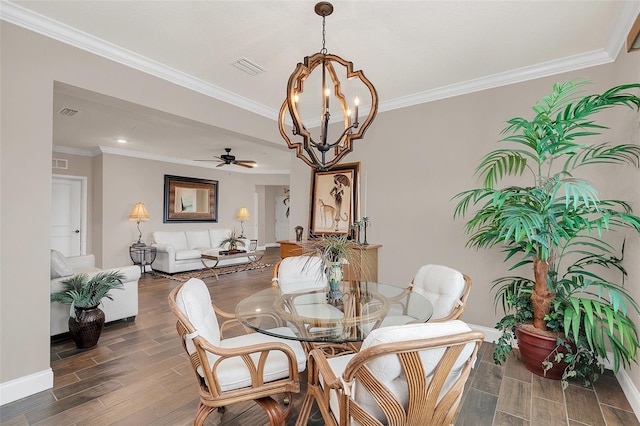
{"x": 244, "y": 164}
{"x": 221, "y": 164}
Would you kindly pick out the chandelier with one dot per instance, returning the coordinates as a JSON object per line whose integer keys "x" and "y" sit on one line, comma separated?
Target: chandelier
{"x": 327, "y": 146}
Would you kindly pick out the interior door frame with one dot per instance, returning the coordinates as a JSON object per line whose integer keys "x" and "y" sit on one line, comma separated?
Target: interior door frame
{"x": 83, "y": 207}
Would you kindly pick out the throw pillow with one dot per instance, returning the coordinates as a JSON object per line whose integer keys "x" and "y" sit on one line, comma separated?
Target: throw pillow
{"x": 59, "y": 266}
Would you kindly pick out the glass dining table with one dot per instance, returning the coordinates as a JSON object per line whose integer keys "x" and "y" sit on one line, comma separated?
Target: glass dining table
{"x": 365, "y": 306}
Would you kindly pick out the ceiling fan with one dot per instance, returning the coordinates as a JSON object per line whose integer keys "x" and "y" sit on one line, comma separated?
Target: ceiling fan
{"x": 226, "y": 159}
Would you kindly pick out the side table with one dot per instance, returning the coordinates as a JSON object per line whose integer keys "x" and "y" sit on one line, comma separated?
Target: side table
{"x": 142, "y": 256}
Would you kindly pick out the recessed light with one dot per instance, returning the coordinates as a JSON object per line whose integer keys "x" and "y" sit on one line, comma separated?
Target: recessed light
{"x": 122, "y": 140}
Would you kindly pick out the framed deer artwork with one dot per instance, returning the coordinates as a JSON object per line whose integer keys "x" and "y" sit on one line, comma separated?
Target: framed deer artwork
{"x": 334, "y": 200}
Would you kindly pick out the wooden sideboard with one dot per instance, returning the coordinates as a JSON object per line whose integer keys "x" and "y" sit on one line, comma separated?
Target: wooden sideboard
{"x": 368, "y": 260}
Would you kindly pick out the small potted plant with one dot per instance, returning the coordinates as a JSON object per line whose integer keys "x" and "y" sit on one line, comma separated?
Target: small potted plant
{"x": 548, "y": 218}
{"x": 334, "y": 251}
{"x": 233, "y": 241}
{"x": 83, "y": 295}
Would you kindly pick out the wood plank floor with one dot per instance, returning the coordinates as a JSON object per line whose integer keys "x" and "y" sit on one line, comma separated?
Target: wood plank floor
{"x": 139, "y": 375}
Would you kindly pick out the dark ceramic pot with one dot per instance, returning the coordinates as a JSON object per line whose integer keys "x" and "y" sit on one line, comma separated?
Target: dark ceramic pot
{"x": 86, "y": 328}
{"x": 535, "y": 348}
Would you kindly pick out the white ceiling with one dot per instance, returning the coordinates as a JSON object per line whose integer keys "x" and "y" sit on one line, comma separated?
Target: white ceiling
{"x": 412, "y": 51}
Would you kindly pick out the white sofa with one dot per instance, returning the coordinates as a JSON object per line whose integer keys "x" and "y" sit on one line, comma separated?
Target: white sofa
{"x": 179, "y": 251}
{"x": 125, "y": 301}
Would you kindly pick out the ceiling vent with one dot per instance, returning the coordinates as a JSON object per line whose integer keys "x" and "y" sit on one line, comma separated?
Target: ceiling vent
{"x": 69, "y": 112}
{"x": 249, "y": 67}
{"x": 60, "y": 163}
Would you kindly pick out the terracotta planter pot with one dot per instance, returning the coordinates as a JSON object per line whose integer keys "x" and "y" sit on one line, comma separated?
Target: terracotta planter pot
{"x": 535, "y": 348}
{"x": 86, "y": 328}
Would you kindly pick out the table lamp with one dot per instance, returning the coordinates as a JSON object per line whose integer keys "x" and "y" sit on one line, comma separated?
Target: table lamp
{"x": 139, "y": 213}
{"x": 243, "y": 214}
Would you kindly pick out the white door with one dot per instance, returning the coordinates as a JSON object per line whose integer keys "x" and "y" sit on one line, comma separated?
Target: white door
{"x": 68, "y": 215}
{"x": 282, "y": 221}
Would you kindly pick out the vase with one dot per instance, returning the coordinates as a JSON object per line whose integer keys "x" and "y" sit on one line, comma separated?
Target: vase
{"x": 86, "y": 327}
{"x": 334, "y": 276}
{"x": 535, "y": 348}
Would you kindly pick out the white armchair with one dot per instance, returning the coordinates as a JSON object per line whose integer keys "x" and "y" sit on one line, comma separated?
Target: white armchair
{"x": 125, "y": 301}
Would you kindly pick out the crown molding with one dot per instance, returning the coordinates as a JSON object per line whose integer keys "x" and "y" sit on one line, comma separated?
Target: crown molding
{"x": 40, "y": 24}
{"x": 75, "y": 151}
{"x": 25, "y": 18}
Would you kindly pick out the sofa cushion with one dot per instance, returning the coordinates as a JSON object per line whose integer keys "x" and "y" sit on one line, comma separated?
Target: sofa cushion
{"x": 198, "y": 240}
{"x": 217, "y": 235}
{"x": 177, "y": 239}
{"x": 187, "y": 254}
{"x": 59, "y": 266}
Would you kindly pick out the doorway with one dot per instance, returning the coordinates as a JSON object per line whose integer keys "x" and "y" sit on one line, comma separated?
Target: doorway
{"x": 68, "y": 232}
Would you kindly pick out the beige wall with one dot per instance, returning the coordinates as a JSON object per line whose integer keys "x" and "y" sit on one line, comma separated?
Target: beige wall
{"x": 414, "y": 161}
{"x": 30, "y": 65}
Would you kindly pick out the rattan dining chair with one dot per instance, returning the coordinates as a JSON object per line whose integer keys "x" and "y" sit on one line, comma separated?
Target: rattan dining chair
{"x": 446, "y": 289}
{"x": 403, "y": 375}
{"x": 230, "y": 370}
{"x": 297, "y": 274}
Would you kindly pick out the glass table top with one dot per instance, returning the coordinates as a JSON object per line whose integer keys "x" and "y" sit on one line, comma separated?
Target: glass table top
{"x": 312, "y": 318}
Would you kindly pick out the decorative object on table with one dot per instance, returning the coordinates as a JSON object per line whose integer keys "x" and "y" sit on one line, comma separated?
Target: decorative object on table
{"x": 233, "y": 242}
{"x": 334, "y": 251}
{"x": 139, "y": 213}
{"x": 228, "y": 159}
{"x": 299, "y": 230}
{"x": 554, "y": 225}
{"x": 243, "y": 214}
{"x": 334, "y": 200}
{"x": 83, "y": 295}
{"x": 142, "y": 256}
{"x": 190, "y": 200}
{"x": 365, "y": 224}
{"x": 339, "y": 82}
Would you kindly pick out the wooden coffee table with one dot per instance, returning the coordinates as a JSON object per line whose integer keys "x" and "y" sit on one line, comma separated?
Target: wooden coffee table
{"x": 253, "y": 256}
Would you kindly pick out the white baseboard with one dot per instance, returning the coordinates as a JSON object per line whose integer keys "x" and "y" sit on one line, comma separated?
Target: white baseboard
{"x": 272, "y": 245}
{"x": 628, "y": 387}
{"x": 14, "y": 390}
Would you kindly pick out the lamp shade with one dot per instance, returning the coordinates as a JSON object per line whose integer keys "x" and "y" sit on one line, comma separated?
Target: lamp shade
{"x": 243, "y": 214}
{"x": 139, "y": 213}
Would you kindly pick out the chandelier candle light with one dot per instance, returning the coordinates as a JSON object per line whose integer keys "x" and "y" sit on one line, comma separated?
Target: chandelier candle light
{"x": 243, "y": 214}
{"x": 139, "y": 213}
{"x": 354, "y": 86}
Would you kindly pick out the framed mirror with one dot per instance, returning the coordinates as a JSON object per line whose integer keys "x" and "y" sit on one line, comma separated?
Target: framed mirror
{"x": 190, "y": 200}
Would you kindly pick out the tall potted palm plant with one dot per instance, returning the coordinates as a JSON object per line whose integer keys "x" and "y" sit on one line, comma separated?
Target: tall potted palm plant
{"x": 555, "y": 223}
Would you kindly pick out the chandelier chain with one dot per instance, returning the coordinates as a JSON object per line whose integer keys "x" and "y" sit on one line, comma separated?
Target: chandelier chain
{"x": 324, "y": 33}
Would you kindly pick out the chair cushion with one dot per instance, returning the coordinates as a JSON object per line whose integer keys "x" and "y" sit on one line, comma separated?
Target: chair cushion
{"x": 443, "y": 287}
{"x": 59, "y": 266}
{"x": 177, "y": 239}
{"x": 198, "y": 240}
{"x": 299, "y": 273}
{"x": 232, "y": 373}
{"x": 217, "y": 235}
{"x": 194, "y": 301}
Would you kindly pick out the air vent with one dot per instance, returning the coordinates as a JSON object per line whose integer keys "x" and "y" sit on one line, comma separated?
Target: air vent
{"x": 249, "y": 67}
{"x": 69, "y": 112}
{"x": 59, "y": 163}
